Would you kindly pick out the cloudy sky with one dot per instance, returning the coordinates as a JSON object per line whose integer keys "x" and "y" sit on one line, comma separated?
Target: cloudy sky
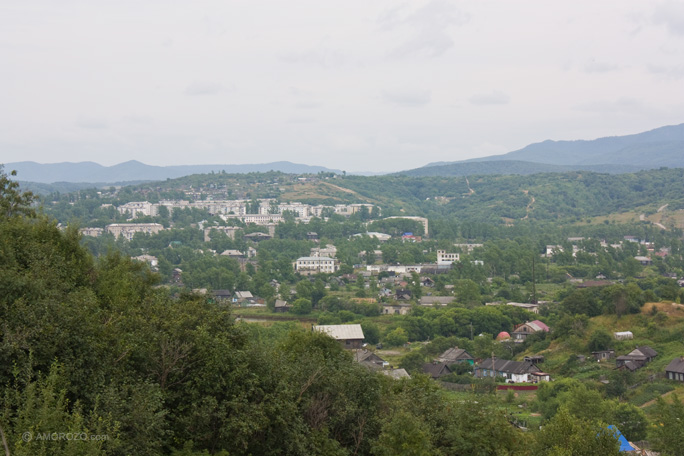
{"x": 354, "y": 85}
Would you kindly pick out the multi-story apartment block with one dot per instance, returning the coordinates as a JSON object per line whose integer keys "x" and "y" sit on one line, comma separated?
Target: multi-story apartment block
{"x": 127, "y": 230}
{"x": 315, "y": 265}
{"x": 138, "y": 207}
{"x": 444, "y": 258}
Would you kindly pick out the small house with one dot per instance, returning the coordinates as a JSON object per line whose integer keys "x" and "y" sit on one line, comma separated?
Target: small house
{"x": 243, "y": 297}
{"x": 637, "y": 358}
{"x": 456, "y": 355}
{"x": 436, "y": 369}
{"x": 603, "y": 355}
{"x": 281, "y": 306}
{"x": 222, "y": 296}
{"x": 427, "y": 282}
{"x": 396, "y": 309}
{"x": 369, "y": 359}
{"x": 675, "y": 370}
{"x": 514, "y": 371}
{"x": 350, "y": 336}
{"x": 522, "y": 331}
{"x": 403, "y": 294}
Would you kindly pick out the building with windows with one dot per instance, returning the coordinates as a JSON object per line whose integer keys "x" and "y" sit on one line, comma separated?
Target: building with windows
{"x": 315, "y": 265}
{"x": 444, "y": 258}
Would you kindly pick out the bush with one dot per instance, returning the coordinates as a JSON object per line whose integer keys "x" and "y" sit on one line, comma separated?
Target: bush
{"x": 301, "y": 306}
{"x": 396, "y": 338}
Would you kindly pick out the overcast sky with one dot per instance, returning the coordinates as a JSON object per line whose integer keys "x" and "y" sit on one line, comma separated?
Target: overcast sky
{"x": 353, "y": 85}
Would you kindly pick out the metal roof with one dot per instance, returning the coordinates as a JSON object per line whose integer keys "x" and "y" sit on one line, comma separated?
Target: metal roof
{"x": 341, "y": 332}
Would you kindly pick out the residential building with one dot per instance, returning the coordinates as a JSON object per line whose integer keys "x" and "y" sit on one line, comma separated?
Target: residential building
{"x": 329, "y": 251}
{"x": 350, "y": 336}
{"x": 436, "y": 369}
{"x": 444, "y": 258}
{"x": 456, "y": 355}
{"x": 128, "y": 230}
{"x": 369, "y": 359}
{"x": 514, "y": 371}
{"x": 522, "y": 331}
{"x": 228, "y": 230}
{"x": 316, "y": 264}
{"x": 675, "y": 370}
{"x": 281, "y": 306}
{"x": 603, "y": 355}
{"x": 436, "y": 300}
{"x": 94, "y": 232}
{"x": 396, "y": 309}
{"x": 138, "y": 208}
{"x": 637, "y": 358}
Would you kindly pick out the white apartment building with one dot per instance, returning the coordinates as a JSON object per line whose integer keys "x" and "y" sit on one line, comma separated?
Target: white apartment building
{"x": 138, "y": 207}
{"x": 444, "y": 258}
{"x": 327, "y": 251}
{"x": 314, "y": 265}
{"x": 94, "y": 232}
{"x": 127, "y": 230}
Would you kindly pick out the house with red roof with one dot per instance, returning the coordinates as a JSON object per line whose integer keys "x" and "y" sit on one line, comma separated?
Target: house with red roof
{"x": 522, "y": 331}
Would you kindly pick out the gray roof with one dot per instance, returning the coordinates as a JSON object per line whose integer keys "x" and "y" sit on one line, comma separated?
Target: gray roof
{"x": 676, "y": 365}
{"x": 441, "y": 300}
{"x": 280, "y": 303}
{"x": 369, "y": 359}
{"x": 646, "y": 351}
{"x": 436, "y": 370}
{"x": 396, "y": 373}
{"x": 341, "y": 332}
{"x": 363, "y": 355}
{"x": 510, "y": 367}
{"x": 455, "y": 354}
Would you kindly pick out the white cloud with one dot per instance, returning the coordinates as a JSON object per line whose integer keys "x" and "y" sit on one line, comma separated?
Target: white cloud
{"x": 203, "y": 88}
{"x": 92, "y": 124}
{"x": 671, "y": 15}
{"x": 429, "y": 26}
{"x": 593, "y": 66}
{"x": 619, "y": 106}
{"x": 407, "y": 97}
{"x": 494, "y": 98}
{"x": 671, "y": 71}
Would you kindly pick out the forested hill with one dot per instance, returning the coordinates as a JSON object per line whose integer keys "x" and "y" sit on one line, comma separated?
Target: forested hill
{"x": 553, "y": 196}
{"x": 510, "y": 167}
{"x": 498, "y": 199}
{"x": 662, "y": 146}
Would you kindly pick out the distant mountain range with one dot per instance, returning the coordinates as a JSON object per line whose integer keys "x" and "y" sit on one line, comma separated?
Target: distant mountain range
{"x": 90, "y": 172}
{"x": 662, "y": 147}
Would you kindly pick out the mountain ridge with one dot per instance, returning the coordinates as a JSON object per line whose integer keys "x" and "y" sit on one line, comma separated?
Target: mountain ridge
{"x": 133, "y": 170}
